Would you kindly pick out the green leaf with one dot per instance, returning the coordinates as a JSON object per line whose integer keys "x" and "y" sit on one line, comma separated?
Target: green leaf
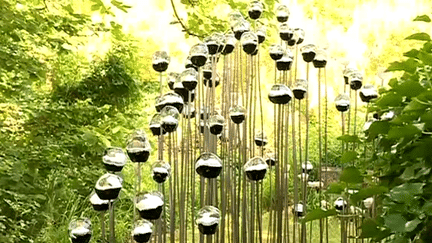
{"x": 349, "y": 138}
{"x": 400, "y": 239}
{"x": 68, "y": 8}
{"x": 369, "y": 229}
{"x": 351, "y": 175}
{"x": 105, "y": 142}
{"x": 348, "y": 156}
{"x": 319, "y": 214}
{"x": 40, "y": 197}
{"x": 395, "y": 222}
{"x": 409, "y": 65}
{"x": 409, "y": 88}
{"x": 415, "y": 171}
{"x": 408, "y": 132}
{"x": 414, "y": 188}
{"x": 408, "y": 174}
{"x": 425, "y": 98}
{"x": 335, "y": 188}
{"x": 116, "y": 129}
{"x": 422, "y": 172}
{"x": 419, "y": 36}
{"x": 393, "y": 82}
{"x": 427, "y": 118}
{"x": 95, "y": 7}
{"x": 427, "y": 208}
{"x": 413, "y": 53}
{"x": 378, "y": 127}
{"x": 368, "y": 192}
{"x": 120, "y": 5}
{"x": 389, "y": 100}
{"x": 405, "y": 193}
{"x": 423, "y": 18}
{"x": 427, "y": 47}
{"x": 415, "y": 106}
{"x": 411, "y": 225}
{"x": 425, "y": 57}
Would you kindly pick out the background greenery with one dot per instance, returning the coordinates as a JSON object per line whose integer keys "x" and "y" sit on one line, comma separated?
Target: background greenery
{"x": 59, "y": 109}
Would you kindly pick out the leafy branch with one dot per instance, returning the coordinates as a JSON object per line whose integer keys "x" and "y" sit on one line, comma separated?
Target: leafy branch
{"x": 185, "y": 28}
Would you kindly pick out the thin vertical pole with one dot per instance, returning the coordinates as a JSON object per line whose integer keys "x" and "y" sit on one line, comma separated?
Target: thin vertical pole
{"x": 102, "y": 220}
{"x": 112, "y": 221}
{"x": 320, "y": 148}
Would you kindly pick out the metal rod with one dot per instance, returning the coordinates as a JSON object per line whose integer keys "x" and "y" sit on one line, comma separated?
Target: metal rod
{"x": 171, "y": 190}
{"x": 326, "y": 143}
{"x": 112, "y": 238}
{"x": 320, "y": 149}
{"x": 102, "y": 220}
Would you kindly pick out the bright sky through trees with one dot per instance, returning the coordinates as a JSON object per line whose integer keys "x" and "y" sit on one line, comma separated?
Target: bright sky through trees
{"x": 354, "y": 34}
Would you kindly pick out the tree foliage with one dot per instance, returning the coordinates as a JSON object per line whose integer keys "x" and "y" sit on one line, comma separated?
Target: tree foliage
{"x": 110, "y": 82}
{"x": 405, "y": 163}
{"x": 55, "y": 122}
{"x": 201, "y": 22}
{"x": 401, "y": 159}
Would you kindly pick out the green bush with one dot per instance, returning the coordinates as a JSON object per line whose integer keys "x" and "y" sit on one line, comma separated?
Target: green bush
{"x": 401, "y": 157}
{"x": 110, "y": 82}
{"x": 403, "y": 161}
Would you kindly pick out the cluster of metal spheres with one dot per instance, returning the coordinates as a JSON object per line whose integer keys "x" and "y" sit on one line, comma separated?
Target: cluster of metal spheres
{"x": 201, "y": 64}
